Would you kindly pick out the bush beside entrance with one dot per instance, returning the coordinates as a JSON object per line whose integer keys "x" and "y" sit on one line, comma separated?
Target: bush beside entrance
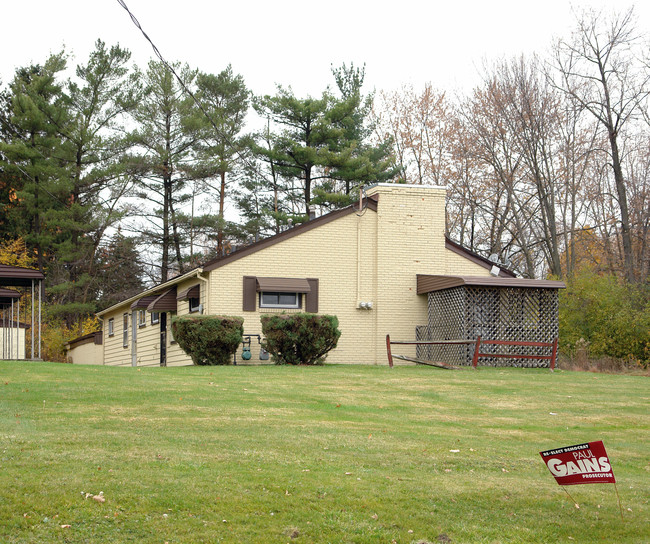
{"x": 208, "y": 339}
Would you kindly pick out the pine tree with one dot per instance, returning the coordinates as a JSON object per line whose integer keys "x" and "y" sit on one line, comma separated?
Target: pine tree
{"x": 166, "y": 139}
{"x": 321, "y": 142}
{"x": 225, "y": 99}
{"x": 34, "y": 156}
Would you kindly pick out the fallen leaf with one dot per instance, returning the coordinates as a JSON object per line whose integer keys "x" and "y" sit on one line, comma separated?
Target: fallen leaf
{"x": 99, "y": 498}
{"x": 374, "y": 516}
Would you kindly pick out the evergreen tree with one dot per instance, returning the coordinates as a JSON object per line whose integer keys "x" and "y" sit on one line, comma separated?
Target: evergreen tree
{"x": 321, "y": 142}
{"x": 97, "y": 102}
{"x": 34, "y": 156}
{"x": 166, "y": 139}
{"x": 62, "y": 149}
{"x": 225, "y": 99}
{"x": 119, "y": 271}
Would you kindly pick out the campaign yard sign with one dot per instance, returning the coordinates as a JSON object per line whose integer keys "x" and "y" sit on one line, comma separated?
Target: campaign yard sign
{"x": 579, "y": 464}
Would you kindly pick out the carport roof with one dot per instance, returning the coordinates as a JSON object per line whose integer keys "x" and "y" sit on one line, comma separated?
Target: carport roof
{"x": 427, "y": 283}
{"x": 17, "y": 276}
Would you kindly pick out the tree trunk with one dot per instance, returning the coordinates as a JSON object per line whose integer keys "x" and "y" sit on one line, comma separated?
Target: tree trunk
{"x": 222, "y": 199}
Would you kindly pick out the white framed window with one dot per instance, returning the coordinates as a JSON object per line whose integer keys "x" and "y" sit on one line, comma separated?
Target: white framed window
{"x": 111, "y": 327}
{"x": 155, "y": 317}
{"x": 195, "y": 304}
{"x": 269, "y": 299}
{"x": 142, "y": 318}
{"x": 125, "y": 330}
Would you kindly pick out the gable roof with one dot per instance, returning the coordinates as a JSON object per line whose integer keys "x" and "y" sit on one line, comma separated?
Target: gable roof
{"x": 152, "y": 294}
{"x": 370, "y": 203}
{"x": 476, "y": 258}
{"x": 145, "y": 298}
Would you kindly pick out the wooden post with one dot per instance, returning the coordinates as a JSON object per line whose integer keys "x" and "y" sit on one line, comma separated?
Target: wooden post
{"x": 554, "y": 355}
{"x": 390, "y": 355}
{"x": 476, "y": 351}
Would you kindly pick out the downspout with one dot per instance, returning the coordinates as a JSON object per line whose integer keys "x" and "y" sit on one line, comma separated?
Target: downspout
{"x": 358, "y": 259}
{"x": 206, "y": 309}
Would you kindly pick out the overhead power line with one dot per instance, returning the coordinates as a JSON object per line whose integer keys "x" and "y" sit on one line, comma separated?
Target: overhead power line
{"x": 169, "y": 67}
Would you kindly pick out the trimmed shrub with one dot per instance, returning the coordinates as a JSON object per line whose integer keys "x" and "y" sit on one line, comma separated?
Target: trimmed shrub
{"x": 208, "y": 339}
{"x": 300, "y": 339}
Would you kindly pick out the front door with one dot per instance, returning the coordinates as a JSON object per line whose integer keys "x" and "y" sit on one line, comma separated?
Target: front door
{"x": 163, "y": 339}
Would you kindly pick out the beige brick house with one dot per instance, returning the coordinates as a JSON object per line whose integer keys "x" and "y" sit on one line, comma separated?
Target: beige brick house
{"x": 358, "y": 263}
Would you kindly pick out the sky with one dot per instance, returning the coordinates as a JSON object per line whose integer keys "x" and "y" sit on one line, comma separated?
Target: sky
{"x": 296, "y": 42}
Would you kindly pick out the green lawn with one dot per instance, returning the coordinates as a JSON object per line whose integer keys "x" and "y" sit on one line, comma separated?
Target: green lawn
{"x": 325, "y": 454}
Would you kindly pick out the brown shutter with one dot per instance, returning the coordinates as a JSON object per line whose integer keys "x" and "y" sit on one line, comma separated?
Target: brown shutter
{"x": 311, "y": 298}
{"x": 250, "y": 293}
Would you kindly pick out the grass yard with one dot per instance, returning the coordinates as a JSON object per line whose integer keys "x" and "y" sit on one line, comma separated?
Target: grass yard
{"x": 315, "y": 455}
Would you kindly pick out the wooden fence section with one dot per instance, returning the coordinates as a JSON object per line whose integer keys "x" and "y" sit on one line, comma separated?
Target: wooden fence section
{"x": 421, "y": 343}
{"x": 552, "y": 357}
{"x": 477, "y": 350}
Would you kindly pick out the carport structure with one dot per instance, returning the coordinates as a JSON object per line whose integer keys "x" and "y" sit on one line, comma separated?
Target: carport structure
{"x": 10, "y": 310}
{"x": 493, "y": 308}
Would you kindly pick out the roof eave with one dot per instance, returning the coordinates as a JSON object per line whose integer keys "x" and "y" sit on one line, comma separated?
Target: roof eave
{"x": 160, "y": 287}
{"x": 370, "y": 203}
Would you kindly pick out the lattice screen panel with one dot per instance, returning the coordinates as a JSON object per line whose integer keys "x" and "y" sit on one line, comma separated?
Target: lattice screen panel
{"x": 502, "y": 313}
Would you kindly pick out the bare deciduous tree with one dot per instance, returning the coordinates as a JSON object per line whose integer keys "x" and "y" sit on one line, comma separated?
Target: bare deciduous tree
{"x": 598, "y": 69}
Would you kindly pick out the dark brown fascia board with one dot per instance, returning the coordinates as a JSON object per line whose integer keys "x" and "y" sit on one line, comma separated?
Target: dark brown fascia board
{"x": 9, "y": 293}
{"x": 19, "y": 272}
{"x": 476, "y": 258}
{"x": 91, "y": 338}
{"x": 17, "y": 276}
{"x": 155, "y": 290}
{"x": 287, "y": 234}
{"x": 427, "y": 283}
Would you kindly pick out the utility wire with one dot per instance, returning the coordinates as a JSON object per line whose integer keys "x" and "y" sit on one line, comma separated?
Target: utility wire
{"x": 169, "y": 67}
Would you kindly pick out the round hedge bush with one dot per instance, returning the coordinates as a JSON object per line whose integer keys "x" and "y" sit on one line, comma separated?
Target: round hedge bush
{"x": 208, "y": 339}
{"x": 300, "y": 338}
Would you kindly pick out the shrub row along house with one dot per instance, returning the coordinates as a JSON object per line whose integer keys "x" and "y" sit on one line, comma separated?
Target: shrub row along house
{"x": 380, "y": 266}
